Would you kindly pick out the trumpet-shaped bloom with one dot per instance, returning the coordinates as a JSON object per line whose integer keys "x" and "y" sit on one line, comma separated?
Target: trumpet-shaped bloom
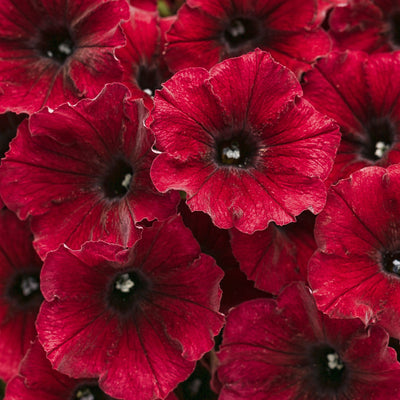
{"x": 89, "y": 176}
{"x": 242, "y": 143}
{"x": 285, "y": 349}
{"x": 139, "y": 318}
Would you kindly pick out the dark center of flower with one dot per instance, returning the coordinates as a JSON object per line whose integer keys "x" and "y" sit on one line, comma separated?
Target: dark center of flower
{"x": 391, "y": 262}
{"x": 239, "y": 151}
{"x": 117, "y": 181}
{"x": 328, "y": 368}
{"x": 240, "y": 31}
{"x": 55, "y": 43}
{"x": 126, "y": 290}
{"x": 394, "y": 33}
{"x": 24, "y": 290}
{"x": 380, "y": 137}
{"x": 89, "y": 392}
{"x": 148, "y": 79}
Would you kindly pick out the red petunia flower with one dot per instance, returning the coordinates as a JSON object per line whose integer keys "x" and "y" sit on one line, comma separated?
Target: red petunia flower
{"x": 82, "y": 172}
{"x": 278, "y": 255}
{"x": 242, "y": 143}
{"x": 362, "y": 93}
{"x": 287, "y": 350}
{"x": 20, "y": 295}
{"x": 56, "y": 51}
{"x": 141, "y": 58}
{"x": 367, "y": 25}
{"x": 139, "y": 318}
{"x": 207, "y": 32}
{"x": 356, "y": 270}
{"x": 38, "y": 380}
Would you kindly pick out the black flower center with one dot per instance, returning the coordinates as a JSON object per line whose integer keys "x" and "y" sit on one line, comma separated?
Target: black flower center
{"x": 55, "y": 43}
{"x": 394, "y": 31}
{"x": 148, "y": 79}
{"x": 241, "y": 31}
{"x": 118, "y": 178}
{"x": 329, "y": 370}
{"x": 127, "y": 290}
{"x": 24, "y": 290}
{"x": 89, "y": 392}
{"x": 380, "y": 137}
{"x": 391, "y": 262}
{"x": 238, "y": 151}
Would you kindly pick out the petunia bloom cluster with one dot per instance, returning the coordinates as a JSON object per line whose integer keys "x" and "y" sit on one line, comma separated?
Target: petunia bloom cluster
{"x": 200, "y": 199}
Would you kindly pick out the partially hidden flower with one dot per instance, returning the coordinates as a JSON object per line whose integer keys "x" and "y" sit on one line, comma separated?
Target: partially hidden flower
{"x": 361, "y": 93}
{"x": 242, "y": 143}
{"x": 356, "y": 270}
{"x": 142, "y": 57}
{"x": 278, "y": 255}
{"x": 367, "y": 25}
{"x": 285, "y": 349}
{"x": 138, "y": 319}
{"x": 38, "y": 380}
{"x": 20, "y": 296}
{"x": 82, "y": 172}
{"x": 52, "y": 52}
{"x": 207, "y": 32}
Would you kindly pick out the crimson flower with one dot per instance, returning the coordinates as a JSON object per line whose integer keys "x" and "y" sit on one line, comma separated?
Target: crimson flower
{"x": 20, "y": 295}
{"x": 38, "y": 380}
{"x": 362, "y": 93}
{"x": 355, "y": 272}
{"x": 207, "y": 32}
{"x": 56, "y": 51}
{"x": 242, "y": 143}
{"x": 367, "y": 25}
{"x": 136, "y": 318}
{"x": 141, "y": 57}
{"x": 89, "y": 175}
{"x": 285, "y": 349}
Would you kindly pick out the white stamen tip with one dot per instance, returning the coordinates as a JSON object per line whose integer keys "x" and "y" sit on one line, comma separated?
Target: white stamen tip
{"x": 124, "y": 283}
{"x": 237, "y": 29}
{"x": 65, "y": 49}
{"x": 29, "y": 285}
{"x": 148, "y": 91}
{"x": 334, "y": 361}
{"x": 235, "y": 154}
{"x": 126, "y": 181}
{"x": 380, "y": 148}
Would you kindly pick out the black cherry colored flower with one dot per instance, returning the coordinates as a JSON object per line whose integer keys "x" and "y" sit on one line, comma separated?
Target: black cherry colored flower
{"x": 242, "y": 143}
{"x": 356, "y": 270}
{"x": 208, "y": 31}
{"x": 82, "y": 172}
{"x": 286, "y": 349}
{"x": 278, "y": 255}
{"x": 38, "y": 380}
{"x": 20, "y": 295}
{"x": 362, "y": 93}
{"x": 367, "y": 25}
{"x": 57, "y": 51}
{"x": 141, "y": 57}
{"x": 138, "y": 319}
